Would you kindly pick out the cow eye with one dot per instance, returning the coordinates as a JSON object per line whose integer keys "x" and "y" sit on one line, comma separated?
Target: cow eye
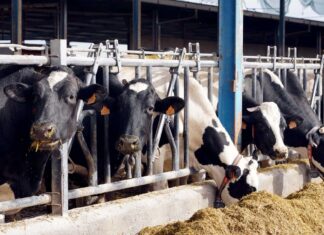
{"x": 70, "y": 99}
{"x": 150, "y": 110}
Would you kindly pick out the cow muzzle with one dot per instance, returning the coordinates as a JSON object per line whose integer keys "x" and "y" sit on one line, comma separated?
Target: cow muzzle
{"x": 280, "y": 155}
{"x": 43, "y": 137}
{"x": 128, "y": 144}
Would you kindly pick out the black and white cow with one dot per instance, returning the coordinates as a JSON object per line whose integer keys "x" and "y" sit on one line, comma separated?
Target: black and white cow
{"x": 37, "y": 115}
{"x": 264, "y": 125}
{"x": 211, "y": 148}
{"x": 131, "y": 107}
{"x": 292, "y": 101}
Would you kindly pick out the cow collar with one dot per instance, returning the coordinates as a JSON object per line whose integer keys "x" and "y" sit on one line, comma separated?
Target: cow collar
{"x": 218, "y": 201}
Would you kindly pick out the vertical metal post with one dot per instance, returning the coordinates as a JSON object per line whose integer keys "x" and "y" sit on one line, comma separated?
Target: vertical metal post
{"x": 62, "y": 24}
{"x": 319, "y": 42}
{"x": 60, "y": 158}
{"x": 150, "y": 138}
{"x": 176, "y": 127}
{"x": 107, "y": 169}
{"x": 16, "y": 21}
{"x": 155, "y": 22}
{"x": 185, "y": 122}
{"x": 282, "y": 30}
{"x": 137, "y": 24}
{"x": 230, "y": 66}
{"x": 60, "y": 180}
{"x": 210, "y": 84}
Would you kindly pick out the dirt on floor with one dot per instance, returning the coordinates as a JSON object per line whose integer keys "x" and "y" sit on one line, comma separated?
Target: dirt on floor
{"x": 257, "y": 213}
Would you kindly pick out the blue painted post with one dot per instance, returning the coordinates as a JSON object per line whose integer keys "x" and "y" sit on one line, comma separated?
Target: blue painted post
{"x": 230, "y": 66}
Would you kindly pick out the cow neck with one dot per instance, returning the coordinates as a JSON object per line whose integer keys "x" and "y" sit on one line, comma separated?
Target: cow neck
{"x": 227, "y": 180}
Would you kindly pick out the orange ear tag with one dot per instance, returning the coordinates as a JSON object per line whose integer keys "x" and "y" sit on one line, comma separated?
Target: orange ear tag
{"x": 170, "y": 110}
{"x": 292, "y": 124}
{"x": 104, "y": 111}
{"x": 243, "y": 125}
{"x": 92, "y": 99}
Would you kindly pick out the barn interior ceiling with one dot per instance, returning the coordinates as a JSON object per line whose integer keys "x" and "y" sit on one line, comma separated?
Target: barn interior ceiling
{"x": 98, "y": 20}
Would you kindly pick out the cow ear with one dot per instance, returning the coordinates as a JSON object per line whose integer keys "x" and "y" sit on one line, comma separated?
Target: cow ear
{"x": 293, "y": 122}
{"x": 169, "y": 105}
{"x": 105, "y": 107}
{"x": 19, "y": 92}
{"x": 92, "y": 94}
{"x": 253, "y": 109}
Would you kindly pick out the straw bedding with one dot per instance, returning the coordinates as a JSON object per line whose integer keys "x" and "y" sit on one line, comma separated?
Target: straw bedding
{"x": 257, "y": 213}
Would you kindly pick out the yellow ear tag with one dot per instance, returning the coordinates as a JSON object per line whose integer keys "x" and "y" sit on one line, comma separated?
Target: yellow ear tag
{"x": 292, "y": 124}
{"x": 170, "y": 110}
{"x": 92, "y": 99}
{"x": 104, "y": 111}
{"x": 243, "y": 125}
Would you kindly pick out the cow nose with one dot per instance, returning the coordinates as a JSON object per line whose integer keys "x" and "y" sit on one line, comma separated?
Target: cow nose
{"x": 281, "y": 155}
{"x": 43, "y": 131}
{"x": 128, "y": 144}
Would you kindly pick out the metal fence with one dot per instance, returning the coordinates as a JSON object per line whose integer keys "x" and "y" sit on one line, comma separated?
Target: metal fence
{"x": 109, "y": 57}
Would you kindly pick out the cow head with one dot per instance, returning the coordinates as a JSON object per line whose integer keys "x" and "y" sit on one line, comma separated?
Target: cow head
{"x": 53, "y": 100}
{"x": 268, "y": 125}
{"x": 131, "y": 113}
{"x": 316, "y": 139}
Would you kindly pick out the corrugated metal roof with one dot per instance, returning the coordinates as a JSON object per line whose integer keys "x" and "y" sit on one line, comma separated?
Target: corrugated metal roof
{"x": 310, "y": 10}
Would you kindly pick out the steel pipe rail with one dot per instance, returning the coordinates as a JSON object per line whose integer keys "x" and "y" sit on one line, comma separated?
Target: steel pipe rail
{"x": 270, "y": 65}
{"x": 25, "y": 202}
{"x": 129, "y": 183}
{"x": 88, "y": 61}
{"x": 24, "y": 59}
{"x": 22, "y": 47}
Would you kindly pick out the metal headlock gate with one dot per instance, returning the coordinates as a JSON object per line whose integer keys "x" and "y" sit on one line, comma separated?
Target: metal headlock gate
{"x": 109, "y": 57}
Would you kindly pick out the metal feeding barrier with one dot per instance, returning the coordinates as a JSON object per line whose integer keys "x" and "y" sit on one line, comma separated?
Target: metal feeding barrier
{"x": 108, "y": 56}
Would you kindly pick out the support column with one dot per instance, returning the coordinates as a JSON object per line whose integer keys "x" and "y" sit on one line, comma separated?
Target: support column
{"x": 16, "y": 21}
{"x": 136, "y": 24}
{"x": 230, "y": 66}
{"x": 282, "y": 30}
{"x": 62, "y": 20}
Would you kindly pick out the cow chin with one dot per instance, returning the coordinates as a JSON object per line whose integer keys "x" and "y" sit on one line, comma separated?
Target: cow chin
{"x": 45, "y": 145}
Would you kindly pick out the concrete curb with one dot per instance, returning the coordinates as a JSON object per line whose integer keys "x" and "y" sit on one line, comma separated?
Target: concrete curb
{"x": 128, "y": 216}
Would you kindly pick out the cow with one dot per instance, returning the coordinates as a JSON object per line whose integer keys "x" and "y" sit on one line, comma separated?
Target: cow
{"x": 37, "y": 115}
{"x": 292, "y": 101}
{"x": 264, "y": 125}
{"x": 211, "y": 148}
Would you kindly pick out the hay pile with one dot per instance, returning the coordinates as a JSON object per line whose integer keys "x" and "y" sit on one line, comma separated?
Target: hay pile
{"x": 258, "y": 213}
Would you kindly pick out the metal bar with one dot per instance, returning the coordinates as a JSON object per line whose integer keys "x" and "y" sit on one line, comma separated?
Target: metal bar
{"x": 150, "y": 138}
{"x": 16, "y": 21}
{"x": 175, "y": 161}
{"x": 210, "y": 84}
{"x": 138, "y": 165}
{"x": 185, "y": 121}
{"x": 314, "y": 91}
{"x": 60, "y": 180}
{"x": 155, "y": 23}
{"x": 62, "y": 26}
{"x": 304, "y": 80}
{"x": 137, "y": 72}
{"x": 85, "y": 61}
{"x": 319, "y": 42}
{"x": 176, "y": 128}
{"x": 282, "y": 29}
{"x": 107, "y": 169}
{"x": 230, "y": 64}
{"x": 254, "y": 78}
{"x": 25, "y": 202}
{"x": 137, "y": 5}
{"x": 104, "y": 188}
